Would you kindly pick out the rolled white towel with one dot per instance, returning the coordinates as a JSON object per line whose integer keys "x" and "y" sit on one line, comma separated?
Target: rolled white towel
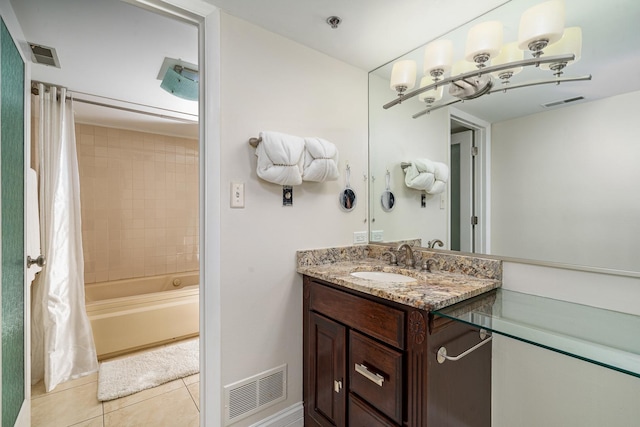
{"x": 320, "y": 160}
{"x": 423, "y": 174}
{"x": 441, "y": 175}
{"x": 419, "y": 175}
{"x": 280, "y": 158}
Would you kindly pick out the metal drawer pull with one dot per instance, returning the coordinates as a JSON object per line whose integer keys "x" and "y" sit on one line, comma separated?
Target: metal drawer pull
{"x": 442, "y": 351}
{"x": 371, "y": 376}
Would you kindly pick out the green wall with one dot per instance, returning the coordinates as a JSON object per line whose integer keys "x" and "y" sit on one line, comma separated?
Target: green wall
{"x": 12, "y": 189}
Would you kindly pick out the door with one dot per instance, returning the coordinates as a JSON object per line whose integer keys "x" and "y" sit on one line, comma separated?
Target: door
{"x": 327, "y": 348}
{"x": 12, "y": 228}
{"x": 462, "y": 233}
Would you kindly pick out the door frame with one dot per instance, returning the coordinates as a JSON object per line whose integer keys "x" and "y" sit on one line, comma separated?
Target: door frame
{"x": 206, "y": 18}
{"x": 482, "y": 184}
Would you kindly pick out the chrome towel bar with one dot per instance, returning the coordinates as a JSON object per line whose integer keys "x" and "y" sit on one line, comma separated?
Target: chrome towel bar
{"x": 442, "y": 351}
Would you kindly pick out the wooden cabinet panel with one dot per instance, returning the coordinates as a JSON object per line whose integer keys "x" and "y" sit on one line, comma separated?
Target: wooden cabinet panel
{"x": 375, "y": 374}
{"x": 345, "y": 328}
{"x": 459, "y": 392}
{"x": 362, "y": 416}
{"x": 327, "y": 346}
{"x": 372, "y": 318}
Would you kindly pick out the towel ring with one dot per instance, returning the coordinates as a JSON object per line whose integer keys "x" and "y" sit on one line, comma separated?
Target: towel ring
{"x": 254, "y": 142}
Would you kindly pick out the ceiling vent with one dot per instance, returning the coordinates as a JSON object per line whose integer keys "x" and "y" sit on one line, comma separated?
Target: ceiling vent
{"x": 44, "y": 55}
{"x": 562, "y": 102}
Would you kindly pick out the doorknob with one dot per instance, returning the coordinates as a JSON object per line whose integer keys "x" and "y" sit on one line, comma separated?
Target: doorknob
{"x": 40, "y": 261}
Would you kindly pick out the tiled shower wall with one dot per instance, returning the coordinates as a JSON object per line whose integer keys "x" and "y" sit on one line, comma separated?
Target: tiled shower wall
{"x": 139, "y": 197}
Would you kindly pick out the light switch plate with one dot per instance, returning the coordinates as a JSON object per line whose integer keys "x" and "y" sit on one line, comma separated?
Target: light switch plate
{"x": 443, "y": 201}
{"x": 376, "y": 235}
{"x": 237, "y": 194}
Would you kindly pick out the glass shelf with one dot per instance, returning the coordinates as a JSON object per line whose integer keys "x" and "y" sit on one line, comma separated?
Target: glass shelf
{"x": 604, "y": 337}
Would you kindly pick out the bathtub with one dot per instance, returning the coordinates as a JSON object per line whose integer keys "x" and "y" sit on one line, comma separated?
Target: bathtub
{"x": 128, "y": 315}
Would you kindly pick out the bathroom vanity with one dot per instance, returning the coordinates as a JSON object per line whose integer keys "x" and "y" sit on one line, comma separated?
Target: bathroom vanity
{"x": 371, "y": 346}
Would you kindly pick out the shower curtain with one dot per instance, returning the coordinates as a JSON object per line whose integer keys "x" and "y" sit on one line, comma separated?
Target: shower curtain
{"x": 62, "y": 346}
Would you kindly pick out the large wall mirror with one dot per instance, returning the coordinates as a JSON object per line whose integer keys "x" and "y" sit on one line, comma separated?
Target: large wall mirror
{"x": 557, "y": 175}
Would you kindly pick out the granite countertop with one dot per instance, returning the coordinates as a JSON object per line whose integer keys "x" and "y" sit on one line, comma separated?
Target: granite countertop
{"x": 430, "y": 291}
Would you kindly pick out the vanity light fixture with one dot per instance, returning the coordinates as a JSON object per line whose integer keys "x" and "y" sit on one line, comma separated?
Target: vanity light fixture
{"x": 571, "y": 42}
{"x": 403, "y": 76}
{"x": 541, "y": 27}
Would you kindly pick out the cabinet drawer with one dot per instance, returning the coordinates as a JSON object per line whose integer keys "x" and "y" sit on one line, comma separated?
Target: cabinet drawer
{"x": 360, "y": 415}
{"x": 375, "y": 374}
{"x": 379, "y": 321}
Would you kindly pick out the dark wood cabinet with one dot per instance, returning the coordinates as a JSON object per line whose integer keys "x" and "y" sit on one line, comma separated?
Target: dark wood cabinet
{"x": 372, "y": 362}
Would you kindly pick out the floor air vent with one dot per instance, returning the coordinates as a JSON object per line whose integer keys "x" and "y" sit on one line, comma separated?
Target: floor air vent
{"x": 562, "y": 102}
{"x": 44, "y": 55}
{"x": 251, "y": 395}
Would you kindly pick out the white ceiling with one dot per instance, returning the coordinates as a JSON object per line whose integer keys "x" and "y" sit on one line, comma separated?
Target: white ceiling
{"x": 372, "y": 32}
{"x": 113, "y": 49}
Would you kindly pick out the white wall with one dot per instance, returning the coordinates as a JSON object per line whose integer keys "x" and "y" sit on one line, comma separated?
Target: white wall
{"x": 565, "y": 185}
{"x": 395, "y": 138}
{"x": 271, "y": 83}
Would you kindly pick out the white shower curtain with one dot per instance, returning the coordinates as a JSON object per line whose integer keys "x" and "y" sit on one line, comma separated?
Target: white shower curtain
{"x": 62, "y": 346}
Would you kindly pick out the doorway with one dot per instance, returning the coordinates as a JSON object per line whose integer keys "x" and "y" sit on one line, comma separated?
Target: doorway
{"x": 469, "y": 148}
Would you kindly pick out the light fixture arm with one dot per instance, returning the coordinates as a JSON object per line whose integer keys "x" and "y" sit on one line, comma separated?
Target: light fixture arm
{"x": 506, "y": 88}
{"x": 541, "y": 82}
{"x": 480, "y": 72}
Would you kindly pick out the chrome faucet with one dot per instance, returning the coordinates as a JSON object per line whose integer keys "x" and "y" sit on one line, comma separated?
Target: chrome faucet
{"x": 409, "y": 261}
{"x": 432, "y": 243}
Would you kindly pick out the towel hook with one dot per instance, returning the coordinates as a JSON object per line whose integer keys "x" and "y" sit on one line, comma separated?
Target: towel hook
{"x": 254, "y": 142}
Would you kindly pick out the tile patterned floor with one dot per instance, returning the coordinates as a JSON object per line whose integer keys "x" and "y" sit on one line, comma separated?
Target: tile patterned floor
{"x": 75, "y": 403}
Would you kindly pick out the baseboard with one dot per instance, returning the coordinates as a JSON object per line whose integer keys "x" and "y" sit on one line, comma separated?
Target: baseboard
{"x": 293, "y": 416}
{"x": 24, "y": 416}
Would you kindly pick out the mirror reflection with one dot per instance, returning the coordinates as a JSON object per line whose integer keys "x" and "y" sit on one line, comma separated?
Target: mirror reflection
{"x": 553, "y": 178}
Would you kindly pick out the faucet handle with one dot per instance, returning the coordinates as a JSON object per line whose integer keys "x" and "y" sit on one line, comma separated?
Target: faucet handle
{"x": 426, "y": 264}
{"x": 393, "y": 259}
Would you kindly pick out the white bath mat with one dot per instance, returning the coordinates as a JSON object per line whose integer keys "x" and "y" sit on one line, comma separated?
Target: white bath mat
{"x": 122, "y": 377}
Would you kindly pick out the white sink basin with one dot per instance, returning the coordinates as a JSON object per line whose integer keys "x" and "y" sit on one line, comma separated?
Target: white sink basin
{"x": 383, "y": 276}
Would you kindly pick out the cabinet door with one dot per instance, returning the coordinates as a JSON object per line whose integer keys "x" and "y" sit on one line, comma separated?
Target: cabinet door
{"x": 459, "y": 391}
{"x": 327, "y": 371}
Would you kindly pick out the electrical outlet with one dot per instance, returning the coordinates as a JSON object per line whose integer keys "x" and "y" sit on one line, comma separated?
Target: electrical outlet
{"x": 376, "y": 236}
{"x": 237, "y": 195}
{"x": 360, "y": 237}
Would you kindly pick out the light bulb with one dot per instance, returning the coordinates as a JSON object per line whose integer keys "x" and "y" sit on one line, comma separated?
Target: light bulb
{"x": 541, "y": 25}
{"x": 509, "y": 53}
{"x": 403, "y": 76}
{"x": 570, "y": 43}
{"x": 438, "y": 56}
{"x": 483, "y": 42}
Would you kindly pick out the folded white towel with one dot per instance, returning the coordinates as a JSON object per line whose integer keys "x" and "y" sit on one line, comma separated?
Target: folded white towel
{"x": 280, "y": 158}
{"x": 320, "y": 160}
{"x": 423, "y": 174}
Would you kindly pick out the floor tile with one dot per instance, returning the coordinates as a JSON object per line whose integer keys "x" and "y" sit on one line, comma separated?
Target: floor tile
{"x": 93, "y": 422}
{"x": 194, "y": 390}
{"x": 191, "y": 379}
{"x": 67, "y": 407}
{"x": 114, "y": 405}
{"x": 38, "y": 391}
{"x": 172, "y": 409}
